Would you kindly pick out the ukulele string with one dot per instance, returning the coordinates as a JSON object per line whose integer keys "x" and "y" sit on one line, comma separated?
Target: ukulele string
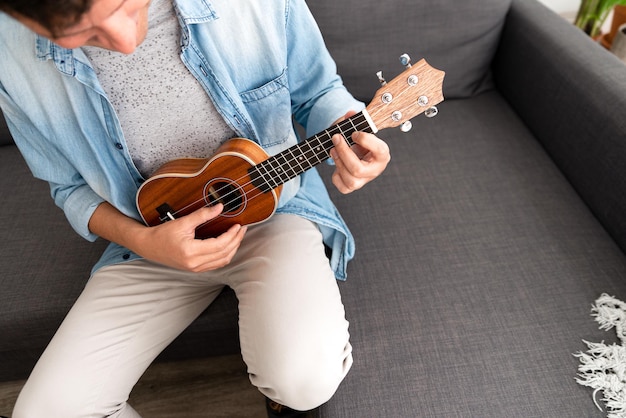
{"x": 323, "y": 154}
{"x": 319, "y": 155}
{"x": 235, "y": 193}
{"x": 294, "y": 159}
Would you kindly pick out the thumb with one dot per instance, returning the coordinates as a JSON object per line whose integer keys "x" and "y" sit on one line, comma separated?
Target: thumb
{"x": 202, "y": 215}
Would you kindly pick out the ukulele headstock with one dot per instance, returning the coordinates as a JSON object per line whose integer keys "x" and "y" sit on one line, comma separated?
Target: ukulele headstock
{"x": 418, "y": 89}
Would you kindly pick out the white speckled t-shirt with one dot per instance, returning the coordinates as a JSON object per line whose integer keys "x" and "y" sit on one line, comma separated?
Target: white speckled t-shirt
{"x": 164, "y": 111}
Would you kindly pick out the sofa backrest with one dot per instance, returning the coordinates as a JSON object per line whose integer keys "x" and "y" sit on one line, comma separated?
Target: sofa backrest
{"x": 5, "y": 136}
{"x": 571, "y": 93}
{"x": 458, "y": 37}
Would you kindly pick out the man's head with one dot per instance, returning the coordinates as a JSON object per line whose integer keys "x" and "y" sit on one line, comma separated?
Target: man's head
{"x": 118, "y": 25}
{"x": 54, "y": 15}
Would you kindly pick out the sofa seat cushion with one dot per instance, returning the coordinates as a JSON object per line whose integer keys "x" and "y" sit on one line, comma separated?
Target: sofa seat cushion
{"x": 457, "y": 37}
{"x": 5, "y": 136}
{"x": 45, "y": 267}
{"x": 476, "y": 266}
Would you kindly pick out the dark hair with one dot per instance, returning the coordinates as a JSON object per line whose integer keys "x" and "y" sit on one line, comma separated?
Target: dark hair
{"x": 53, "y": 15}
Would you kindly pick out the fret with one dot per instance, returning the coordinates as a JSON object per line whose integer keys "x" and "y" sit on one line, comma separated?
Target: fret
{"x": 340, "y": 131}
{"x": 276, "y": 171}
{"x": 354, "y": 129}
{"x": 288, "y": 170}
{"x": 313, "y": 152}
{"x": 266, "y": 173}
{"x": 332, "y": 131}
{"x": 295, "y": 160}
{"x": 321, "y": 151}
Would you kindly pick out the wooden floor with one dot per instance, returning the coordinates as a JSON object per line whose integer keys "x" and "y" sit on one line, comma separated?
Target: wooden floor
{"x": 206, "y": 388}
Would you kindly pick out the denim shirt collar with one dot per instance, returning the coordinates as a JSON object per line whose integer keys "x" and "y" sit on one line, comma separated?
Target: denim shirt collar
{"x": 63, "y": 58}
{"x": 195, "y": 11}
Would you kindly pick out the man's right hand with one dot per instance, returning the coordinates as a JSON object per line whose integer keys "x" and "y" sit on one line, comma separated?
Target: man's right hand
{"x": 172, "y": 243}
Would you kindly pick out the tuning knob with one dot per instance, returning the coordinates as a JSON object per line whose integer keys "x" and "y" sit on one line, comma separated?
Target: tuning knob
{"x": 381, "y": 79}
{"x": 406, "y": 126}
{"x": 405, "y": 60}
{"x": 431, "y": 112}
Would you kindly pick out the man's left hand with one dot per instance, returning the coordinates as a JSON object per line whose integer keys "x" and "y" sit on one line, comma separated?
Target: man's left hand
{"x": 358, "y": 165}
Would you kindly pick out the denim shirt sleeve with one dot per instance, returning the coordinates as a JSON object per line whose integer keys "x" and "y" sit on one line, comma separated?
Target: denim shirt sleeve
{"x": 317, "y": 91}
{"x": 41, "y": 99}
{"x": 77, "y": 199}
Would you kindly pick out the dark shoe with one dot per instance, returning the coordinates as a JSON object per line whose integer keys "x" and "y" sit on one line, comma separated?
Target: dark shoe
{"x": 276, "y": 410}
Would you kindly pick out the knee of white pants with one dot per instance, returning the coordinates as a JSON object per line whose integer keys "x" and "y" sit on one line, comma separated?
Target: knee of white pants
{"x": 304, "y": 386}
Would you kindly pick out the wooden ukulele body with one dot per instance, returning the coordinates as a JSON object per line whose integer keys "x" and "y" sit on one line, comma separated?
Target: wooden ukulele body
{"x": 185, "y": 185}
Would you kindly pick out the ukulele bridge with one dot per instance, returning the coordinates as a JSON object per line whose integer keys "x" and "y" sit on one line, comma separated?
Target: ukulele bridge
{"x": 165, "y": 213}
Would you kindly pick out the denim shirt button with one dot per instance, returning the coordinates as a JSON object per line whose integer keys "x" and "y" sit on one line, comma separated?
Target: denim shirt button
{"x": 119, "y": 146}
{"x": 126, "y": 256}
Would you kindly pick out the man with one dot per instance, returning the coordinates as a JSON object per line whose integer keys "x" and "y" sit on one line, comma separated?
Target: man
{"x": 98, "y": 94}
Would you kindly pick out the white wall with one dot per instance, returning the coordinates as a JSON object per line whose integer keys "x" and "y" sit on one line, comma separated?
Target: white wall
{"x": 562, "y": 6}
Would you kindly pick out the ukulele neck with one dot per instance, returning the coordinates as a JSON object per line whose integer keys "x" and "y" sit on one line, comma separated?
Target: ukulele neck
{"x": 299, "y": 158}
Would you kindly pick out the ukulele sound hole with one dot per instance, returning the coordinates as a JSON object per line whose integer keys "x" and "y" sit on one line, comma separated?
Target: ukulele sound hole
{"x": 227, "y": 193}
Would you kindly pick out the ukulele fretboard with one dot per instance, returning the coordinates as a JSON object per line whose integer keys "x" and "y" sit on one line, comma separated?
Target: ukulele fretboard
{"x": 297, "y": 159}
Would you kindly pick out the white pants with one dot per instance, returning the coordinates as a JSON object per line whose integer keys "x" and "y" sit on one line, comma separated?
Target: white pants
{"x": 293, "y": 331}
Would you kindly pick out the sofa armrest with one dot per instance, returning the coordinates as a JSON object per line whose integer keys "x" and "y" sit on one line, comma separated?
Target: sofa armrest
{"x": 571, "y": 93}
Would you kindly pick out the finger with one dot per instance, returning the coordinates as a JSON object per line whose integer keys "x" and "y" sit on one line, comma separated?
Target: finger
{"x": 374, "y": 148}
{"x": 233, "y": 235}
{"x": 222, "y": 249}
{"x": 346, "y": 183}
{"x": 202, "y": 215}
{"x": 344, "y": 156}
{"x": 344, "y": 180}
{"x": 339, "y": 183}
{"x": 348, "y": 167}
{"x": 234, "y": 243}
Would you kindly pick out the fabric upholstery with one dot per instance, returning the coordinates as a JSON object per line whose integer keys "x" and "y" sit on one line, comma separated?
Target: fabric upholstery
{"x": 458, "y": 37}
{"x": 574, "y": 102}
{"x": 476, "y": 266}
{"x": 35, "y": 298}
{"x": 44, "y": 268}
{"x": 478, "y": 252}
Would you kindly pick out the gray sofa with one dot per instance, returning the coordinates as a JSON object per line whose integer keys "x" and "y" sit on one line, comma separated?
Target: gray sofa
{"x": 479, "y": 250}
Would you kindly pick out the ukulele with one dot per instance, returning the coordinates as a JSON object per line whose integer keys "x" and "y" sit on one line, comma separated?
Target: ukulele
{"x": 248, "y": 182}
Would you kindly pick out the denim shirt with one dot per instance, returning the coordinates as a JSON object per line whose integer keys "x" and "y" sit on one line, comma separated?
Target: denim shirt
{"x": 261, "y": 62}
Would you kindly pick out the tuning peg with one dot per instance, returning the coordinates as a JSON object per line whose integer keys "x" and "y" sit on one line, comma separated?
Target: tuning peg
{"x": 405, "y": 60}
{"x": 406, "y": 126}
{"x": 431, "y": 112}
{"x": 381, "y": 79}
